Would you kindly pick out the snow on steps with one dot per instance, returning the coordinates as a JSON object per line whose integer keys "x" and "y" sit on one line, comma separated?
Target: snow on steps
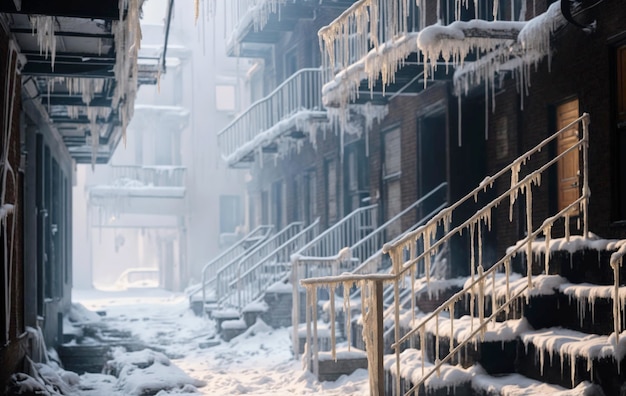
{"x": 545, "y": 354}
{"x": 567, "y": 357}
{"x": 472, "y": 381}
{"x": 577, "y": 259}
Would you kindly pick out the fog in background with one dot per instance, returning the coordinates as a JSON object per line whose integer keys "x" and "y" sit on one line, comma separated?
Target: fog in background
{"x": 166, "y": 199}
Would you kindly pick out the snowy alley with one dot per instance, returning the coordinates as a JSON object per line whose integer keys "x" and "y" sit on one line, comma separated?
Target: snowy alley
{"x": 259, "y": 362}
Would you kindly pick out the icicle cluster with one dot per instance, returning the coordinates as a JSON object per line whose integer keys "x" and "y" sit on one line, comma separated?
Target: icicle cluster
{"x": 127, "y": 34}
{"x": 44, "y": 26}
{"x": 358, "y": 45}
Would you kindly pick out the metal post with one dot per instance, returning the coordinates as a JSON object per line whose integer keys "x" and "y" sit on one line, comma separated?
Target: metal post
{"x": 378, "y": 383}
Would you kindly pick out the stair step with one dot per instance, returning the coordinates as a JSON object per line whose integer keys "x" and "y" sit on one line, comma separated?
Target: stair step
{"x": 517, "y": 384}
{"x": 346, "y": 362}
{"x": 589, "y": 308}
{"x": 567, "y": 358}
{"x": 579, "y": 261}
{"x": 495, "y": 350}
{"x": 452, "y": 380}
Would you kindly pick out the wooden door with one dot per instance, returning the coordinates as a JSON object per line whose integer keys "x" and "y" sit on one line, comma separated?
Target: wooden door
{"x": 568, "y": 169}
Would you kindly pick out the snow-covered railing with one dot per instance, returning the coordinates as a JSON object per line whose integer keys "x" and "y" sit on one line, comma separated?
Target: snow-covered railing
{"x": 361, "y": 248}
{"x": 233, "y": 253}
{"x": 312, "y": 258}
{"x": 617, "y": 260}
{"x": 372, "y": 285}
{"x": 252, "y": 282}
{"x": 229, "y": 271}
{"x": 157, "y": 176}
{"x": 259, "y": 124}
{"x": 365, "y": 250}
{"x": 370, "y": 39}
{"x": 243, "y": 15}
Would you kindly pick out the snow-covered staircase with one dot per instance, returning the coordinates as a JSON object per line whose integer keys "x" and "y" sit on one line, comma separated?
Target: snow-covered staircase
{"x": 534, "y": 337}
{"x": 204, "y": 293}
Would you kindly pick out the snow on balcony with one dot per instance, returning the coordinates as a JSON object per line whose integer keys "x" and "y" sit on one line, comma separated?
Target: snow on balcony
{"x": 372, "y": 38}
{"x": 243, "y": 15}
{"x": 293, "y": 108}
{"x": 142, "y": 189}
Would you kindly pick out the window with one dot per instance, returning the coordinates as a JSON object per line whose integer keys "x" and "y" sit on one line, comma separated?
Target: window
{"x": 230, "y": 213}
{"x": 225, "y": 97}
{"x": 392, "y": 194}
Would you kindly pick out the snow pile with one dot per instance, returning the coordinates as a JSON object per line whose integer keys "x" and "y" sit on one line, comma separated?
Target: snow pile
{"x": 147, "y": 372}
{"x": 43, "y": 379}
{"x": 79, "y": 314}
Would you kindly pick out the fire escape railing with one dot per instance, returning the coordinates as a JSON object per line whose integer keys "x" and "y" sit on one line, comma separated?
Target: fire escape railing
{"x": 229, "y": 271}
{"x": 156, "y": 176}
{"x": 362, "y": 250}
{"x": 372, "y": 285}
{"x": 236, "y": 251}
{"x": 300, "y": 92}
{"x": 254, "y": 278}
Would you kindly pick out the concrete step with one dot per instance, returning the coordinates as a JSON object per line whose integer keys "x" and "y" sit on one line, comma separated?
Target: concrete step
{"x": 575, "y": 261}
{"x": 452, "y": 380}
{"x": 345, "y": 362}
{"x": 567, "y": 358}
{"x": 517, "y": 384}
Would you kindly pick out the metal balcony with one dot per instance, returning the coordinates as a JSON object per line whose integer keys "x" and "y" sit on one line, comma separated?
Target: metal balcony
{"x": 142, "y": 189}
{"x": 291, "y": 110}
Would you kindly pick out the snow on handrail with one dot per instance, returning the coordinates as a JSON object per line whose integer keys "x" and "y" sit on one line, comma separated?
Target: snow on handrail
{"x": 364, "y": 250}
{"x": 232, "y": 253}
{"x": 257, "y": 125}
{"x": 372, "y": 284}
{"x": 229, "y": 271}
{"x": 617, "y": 260}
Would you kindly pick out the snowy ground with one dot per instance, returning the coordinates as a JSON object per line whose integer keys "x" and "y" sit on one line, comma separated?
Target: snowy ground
{"x": 259, "y": 362}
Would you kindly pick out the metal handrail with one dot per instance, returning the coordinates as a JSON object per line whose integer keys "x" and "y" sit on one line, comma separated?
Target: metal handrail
{"x": 373, "y": 284}
{"x": 362, "y": 250}
{"x": 157, "y": 176}
{"x": 301, "y": 91}
{"x": 232, "y": 253}
{"x": 254, "y": 281}
{"x": 229, "y": 271}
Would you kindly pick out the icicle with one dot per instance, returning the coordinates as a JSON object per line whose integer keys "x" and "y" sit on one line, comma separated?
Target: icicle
{"x": 547, "y": 232}
{"x": 567, "y": 230}
{"x": 529, "y": 231}
{"x": 347, "y": 312}
{"x": 507, "y": 275}
{"x": 333, "y": 340}
{"x": 423, "y": 346}
{"x": 437, "y": 344}
{"x": 494, "y": 300}
{"x": 451, "y": 308}
{"x": 46, "y": 40}
{"x": 481, "y": 302}
{"x": 515, "y": 169}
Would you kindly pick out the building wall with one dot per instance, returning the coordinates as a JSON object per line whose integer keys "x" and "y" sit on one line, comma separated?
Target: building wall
{"x": 581, "y": 67}
{"x": 12, "y": 341}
